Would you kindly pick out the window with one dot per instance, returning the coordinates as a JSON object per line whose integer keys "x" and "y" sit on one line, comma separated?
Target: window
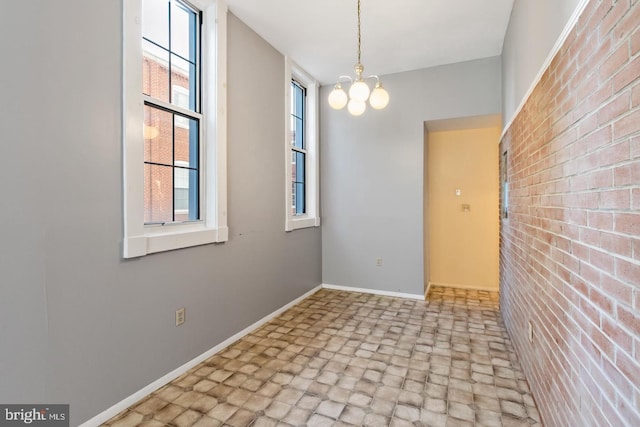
{"x": 174, "y": 124}
{"x": 298, "y": 149}
{"x": 505, "y": 187}
{"x": 301, "y": 149}
{"x": 171, "y": 59}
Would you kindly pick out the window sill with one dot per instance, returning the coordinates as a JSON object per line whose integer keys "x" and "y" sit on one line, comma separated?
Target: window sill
{"x": 304, "y": 222}
{"x": 171, "y": 237}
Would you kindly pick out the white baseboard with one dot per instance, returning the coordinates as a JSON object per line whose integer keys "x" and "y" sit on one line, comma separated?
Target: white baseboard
{"x": 125, "y": 403}
{"x": 465, "y": 286}
{"x": 373, "y": 291}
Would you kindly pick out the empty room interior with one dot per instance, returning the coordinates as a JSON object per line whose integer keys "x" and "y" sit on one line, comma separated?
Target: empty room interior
{"x": 316, "y": 213}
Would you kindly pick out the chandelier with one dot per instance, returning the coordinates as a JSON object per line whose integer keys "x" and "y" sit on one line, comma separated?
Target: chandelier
{"x": 359, "y": 91}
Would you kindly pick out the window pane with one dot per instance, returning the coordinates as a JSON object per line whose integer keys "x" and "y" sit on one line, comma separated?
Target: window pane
{"x": 293, "y": 198}
{"x": 158, "y": 136}
{"x": 298, "y": 133}
{"x": 155, "y": 22}
{"x": 299, "y": 111}
{"x": 183, "y": 74}
{"x": 299, "y": 167}
{"x": 293, "y": 166}
{"x": 186, "y": 194}
{"x": 182, "y": 201}
{"x": 186, "y": 141}
{"x": 183, "y": 25}
{"x": 297, "y": 115}
{"x": 158, "y": 193}
{"x": 298, "y": 182}
{"x": 155, "y": 71}
{"x": 293, "y": 98}
{"x": 180, "y": 96}
{"x": 299, "y": 205}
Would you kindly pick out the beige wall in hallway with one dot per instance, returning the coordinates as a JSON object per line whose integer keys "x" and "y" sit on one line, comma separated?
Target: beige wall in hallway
{"x": 463, "y": 246}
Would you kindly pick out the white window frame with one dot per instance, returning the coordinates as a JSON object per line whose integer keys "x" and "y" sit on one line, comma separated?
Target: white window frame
{"x": 141, "y": 239}
{"x": 311, "y": 218}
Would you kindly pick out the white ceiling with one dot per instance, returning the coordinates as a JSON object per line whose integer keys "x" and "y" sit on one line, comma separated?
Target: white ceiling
{"x": 398, "y": 35}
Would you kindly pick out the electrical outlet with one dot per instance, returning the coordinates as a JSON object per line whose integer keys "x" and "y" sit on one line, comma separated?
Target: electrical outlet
{"x": 530, "y": 332}
{"x": 378, "y": 262}
{"x": 180, "y": 316}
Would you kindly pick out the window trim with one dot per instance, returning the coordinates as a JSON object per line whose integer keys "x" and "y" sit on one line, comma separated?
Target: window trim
{"x": 312, "y": 167}
{"x": 141, "y": 239}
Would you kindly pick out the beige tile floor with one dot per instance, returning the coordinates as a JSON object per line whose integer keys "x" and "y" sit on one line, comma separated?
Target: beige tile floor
{"x": 352, "y": 359}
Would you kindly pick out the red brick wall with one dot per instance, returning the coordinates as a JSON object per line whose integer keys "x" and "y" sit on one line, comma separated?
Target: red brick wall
{"x": 570, "y": 248}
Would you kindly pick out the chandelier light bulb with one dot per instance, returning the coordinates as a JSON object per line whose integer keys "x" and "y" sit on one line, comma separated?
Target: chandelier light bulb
{"x": 356, "y": 108}
{"x": 359, "y": 91}
{"x": 379, "y": 97}
{"x": 337, "y": 97}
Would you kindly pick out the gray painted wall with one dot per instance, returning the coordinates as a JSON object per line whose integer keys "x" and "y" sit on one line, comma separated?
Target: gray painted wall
{"x": 533, "y": 30}
{"x": 372, "y": 173}
{"x": 78, "y": 324}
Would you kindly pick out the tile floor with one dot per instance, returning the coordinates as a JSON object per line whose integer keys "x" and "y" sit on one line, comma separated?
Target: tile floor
{"x": 352, "y": 359}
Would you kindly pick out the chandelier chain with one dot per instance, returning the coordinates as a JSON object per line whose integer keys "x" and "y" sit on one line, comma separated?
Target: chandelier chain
{"x": 359, "y": 42}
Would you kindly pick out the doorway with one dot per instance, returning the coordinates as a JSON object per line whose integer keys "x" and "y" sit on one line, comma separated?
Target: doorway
{"x": 462, "y": 202}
